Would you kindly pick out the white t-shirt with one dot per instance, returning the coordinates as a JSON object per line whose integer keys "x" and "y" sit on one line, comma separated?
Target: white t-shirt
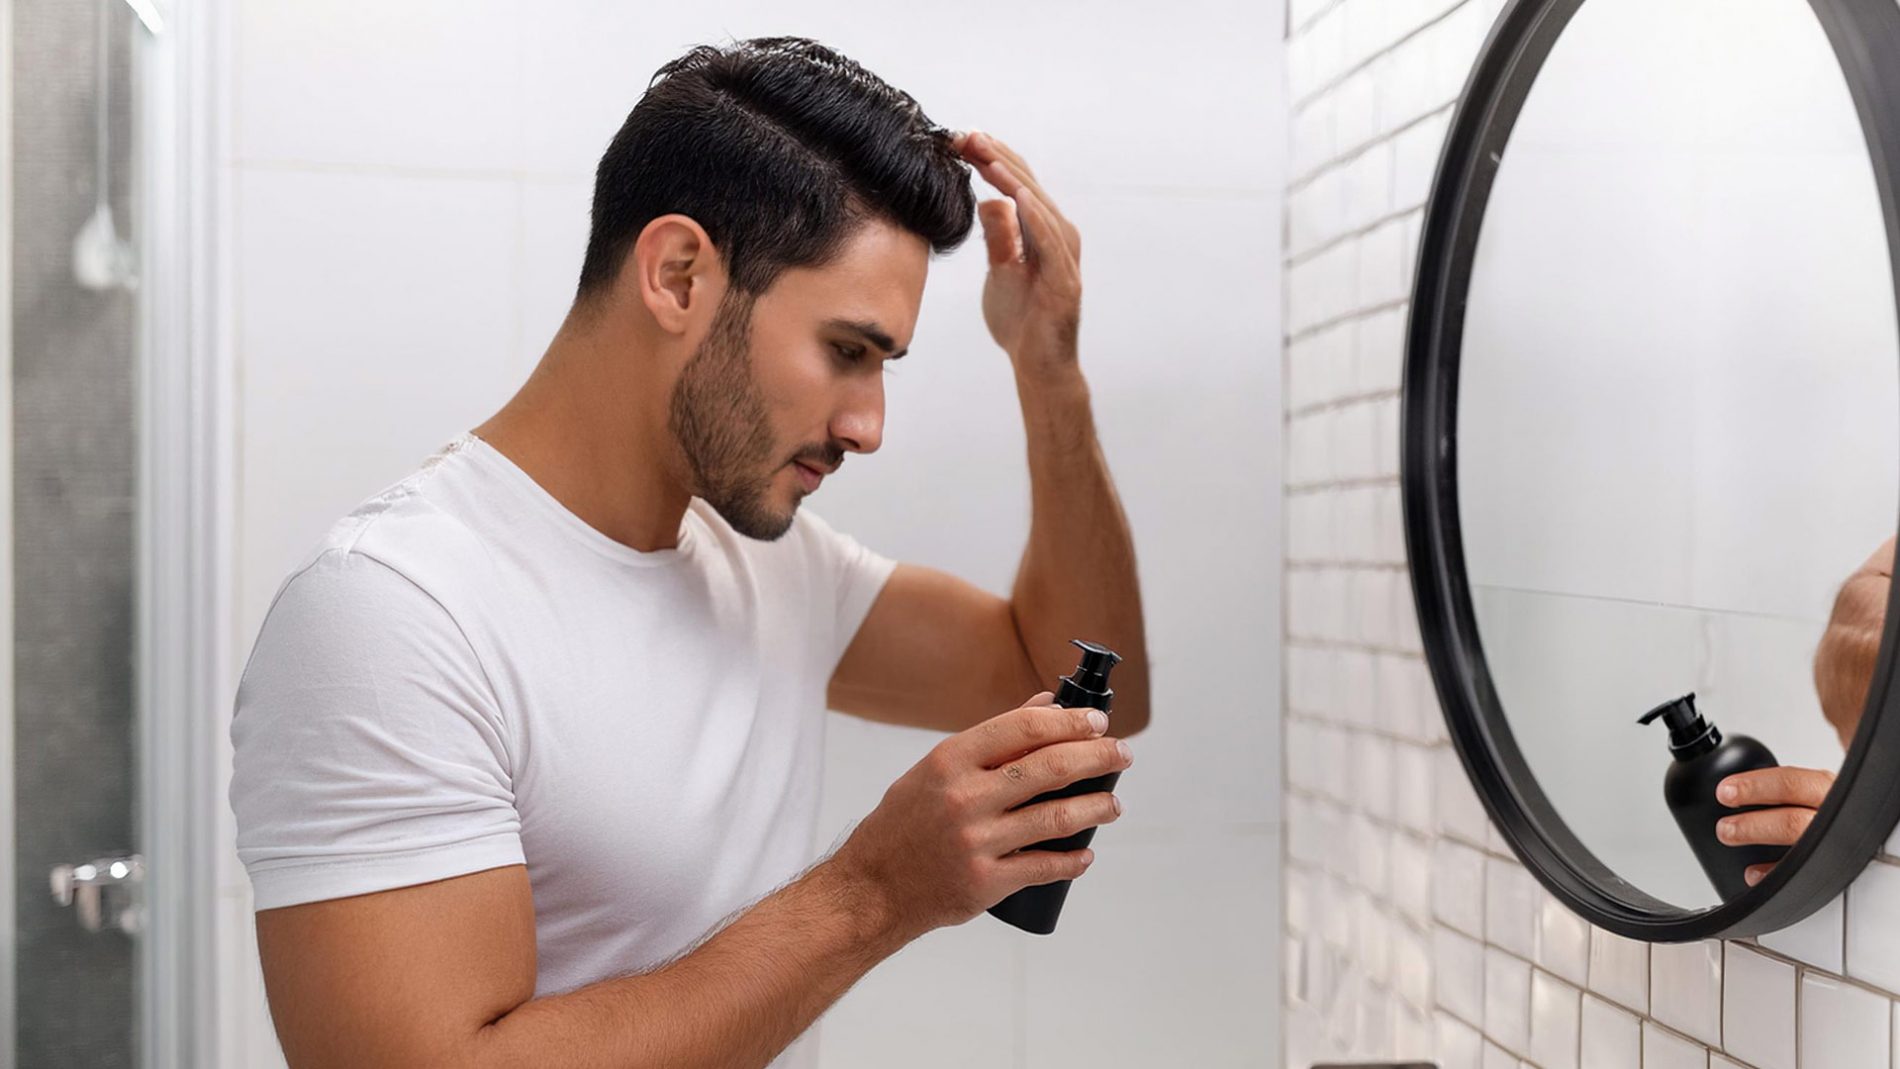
{"x": 465, "y": 675}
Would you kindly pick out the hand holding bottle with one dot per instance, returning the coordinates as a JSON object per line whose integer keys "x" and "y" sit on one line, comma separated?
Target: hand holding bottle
{"x": 1793, "y": 794}
{"x": 941, "y": 846}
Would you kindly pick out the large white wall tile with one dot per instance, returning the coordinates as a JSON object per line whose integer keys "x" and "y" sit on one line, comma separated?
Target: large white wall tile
{"x": 1507, "y": 1000}
{"x": 379, "y": 322}
{"x": 432, "y": 85}
{"x": 1204, "y": 973}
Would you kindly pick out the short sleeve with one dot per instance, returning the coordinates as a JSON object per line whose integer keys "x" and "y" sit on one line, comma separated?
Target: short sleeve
{"x": 855, "y": 574}
{"x": 369, "y": 751}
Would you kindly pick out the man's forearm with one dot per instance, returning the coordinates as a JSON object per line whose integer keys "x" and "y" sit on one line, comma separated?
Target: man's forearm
{"x": 737, "y": 1000}
{"x": 1078, "y": 577}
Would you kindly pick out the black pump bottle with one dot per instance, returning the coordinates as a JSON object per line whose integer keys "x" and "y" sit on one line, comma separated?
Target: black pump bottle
{"x": 1704, "y": 759}
{"x": 1035, "y": 909}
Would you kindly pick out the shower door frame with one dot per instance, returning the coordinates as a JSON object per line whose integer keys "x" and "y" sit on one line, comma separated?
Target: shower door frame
{"x": 184, "y": 657}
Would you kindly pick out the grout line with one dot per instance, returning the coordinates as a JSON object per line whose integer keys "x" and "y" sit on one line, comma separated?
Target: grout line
{"x": 1397, "y": 215}
{"x": 1341, "y": 158}
{"x": 1363, "y": 312}
{"x": 1342, "y": 77}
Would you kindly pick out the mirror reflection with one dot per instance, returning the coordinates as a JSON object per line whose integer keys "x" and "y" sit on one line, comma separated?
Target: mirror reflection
{"x": 1677, "y": 431}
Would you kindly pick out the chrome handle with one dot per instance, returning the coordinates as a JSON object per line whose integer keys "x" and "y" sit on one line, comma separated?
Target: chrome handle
{"x": 105, "y": 892}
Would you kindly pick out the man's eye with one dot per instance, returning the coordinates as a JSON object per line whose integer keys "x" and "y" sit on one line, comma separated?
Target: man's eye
{"x": 851, "y": 353}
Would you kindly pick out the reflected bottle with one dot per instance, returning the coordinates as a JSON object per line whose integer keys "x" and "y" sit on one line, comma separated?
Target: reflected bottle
{"x": 1035, "y": 909}
{"x": 1703, "y": 758}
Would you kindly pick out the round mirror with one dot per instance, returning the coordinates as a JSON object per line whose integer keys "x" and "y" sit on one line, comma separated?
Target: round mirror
{"x": 1652, "y": 432}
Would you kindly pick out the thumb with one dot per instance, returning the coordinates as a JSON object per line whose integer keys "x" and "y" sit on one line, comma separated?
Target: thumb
{"x": 1000, "y": 230}
{"x": 1041, "y": 697}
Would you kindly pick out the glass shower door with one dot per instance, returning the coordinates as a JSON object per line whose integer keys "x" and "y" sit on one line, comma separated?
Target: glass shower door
{"x": 69, "y": 537}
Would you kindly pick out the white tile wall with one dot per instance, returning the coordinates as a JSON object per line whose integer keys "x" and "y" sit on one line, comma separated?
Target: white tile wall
{"x": 1482, "y": 968}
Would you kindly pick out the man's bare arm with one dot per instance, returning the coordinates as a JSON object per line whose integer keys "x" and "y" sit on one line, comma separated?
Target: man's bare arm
{"x": 934, "y": 646}
{"x": 442, "y": 975}
{"x": 1850, "y": 647}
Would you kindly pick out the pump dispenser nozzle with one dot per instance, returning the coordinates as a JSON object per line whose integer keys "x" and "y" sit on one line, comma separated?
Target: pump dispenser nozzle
{"x": 1689, "y": 734}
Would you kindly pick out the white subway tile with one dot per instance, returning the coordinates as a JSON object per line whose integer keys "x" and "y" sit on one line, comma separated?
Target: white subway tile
{"x": 1371, "y": 849}
{"x": 1507, "y": 1000}
{"x": 1843, "y": 1026}
{"x": 1496, "y": 1057}
{"x": 1685, "y": 988}
{"x": 1666, "y": 1050}
{"x": 1415, "y": 153}
{"x": 1388, "y": 514}
{"x": 1355, "y": 117}
{"x": 1382, "y": 265}
{"x": 1555, "y": 1012}
{"x": 1459, "y": 1045}
{"x": 1510, "y": 907}
{"x": 1379, "y": 351}
{"x": 1619, "y": 969}
{"x": 1610, "y": 1037}
{"x": 1817, "y": 940}
{"x": 1460, "y": 814}
{"x": 1375, "y": 774}
{"x": 1411, "y": 877}
{"x": 1458, "y": 887}
{"x": 1458, "y": 980}
{"x": 1758, "y": 1019}
{"x": 1563, "y": 940}
{"x": 1873, "y": 918}
{"x": 1717, "y": 1061}
{"x": 1412, "y": 800}
{"x": 1411, "y": 967}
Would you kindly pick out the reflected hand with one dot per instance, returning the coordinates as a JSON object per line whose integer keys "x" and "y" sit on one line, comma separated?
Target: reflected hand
{"x": 1032, "y": 298}
{"x": 1791, "y": 795}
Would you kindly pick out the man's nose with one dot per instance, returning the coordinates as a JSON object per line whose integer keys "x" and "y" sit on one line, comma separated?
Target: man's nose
{"x": 859, "y": 425}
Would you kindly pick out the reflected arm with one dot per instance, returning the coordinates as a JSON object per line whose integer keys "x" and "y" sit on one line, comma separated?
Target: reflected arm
{"x": 1850, "y": 648}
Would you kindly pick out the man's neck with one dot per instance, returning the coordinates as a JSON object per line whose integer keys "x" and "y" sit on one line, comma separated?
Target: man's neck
{"x": 589, "y": 426}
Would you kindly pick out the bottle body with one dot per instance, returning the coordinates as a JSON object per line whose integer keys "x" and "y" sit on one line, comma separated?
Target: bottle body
{"x": 1036, "y": 909}
{"x": 1689, "y": 790}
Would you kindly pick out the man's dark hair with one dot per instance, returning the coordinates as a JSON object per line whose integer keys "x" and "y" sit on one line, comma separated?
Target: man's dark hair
{"x": 781, "y": 148}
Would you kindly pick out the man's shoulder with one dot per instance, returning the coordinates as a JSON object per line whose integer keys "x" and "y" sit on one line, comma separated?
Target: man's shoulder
{"x": 407, "y": 531}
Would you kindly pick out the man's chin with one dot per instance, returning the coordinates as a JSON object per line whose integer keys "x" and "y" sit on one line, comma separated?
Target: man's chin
{"x": 759, "y": 519}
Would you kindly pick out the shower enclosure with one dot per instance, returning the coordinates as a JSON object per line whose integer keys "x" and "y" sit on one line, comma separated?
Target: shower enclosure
{"x": 109, "y": 533}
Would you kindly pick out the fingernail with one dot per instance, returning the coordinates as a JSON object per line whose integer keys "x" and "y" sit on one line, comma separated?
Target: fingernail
{"x": 1088, "y": 856}
{"x": 1118, "y": 804}
{"x": 1751, "y": 877}
{"x": 1098, "y": 720}
{"x": 1727, "y": 792}
{"x": 1725, "y": 830}
{"x": 1121, "y": 747}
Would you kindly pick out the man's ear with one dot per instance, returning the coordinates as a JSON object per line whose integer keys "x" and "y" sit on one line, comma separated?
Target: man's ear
{"x": 675, "y": 271}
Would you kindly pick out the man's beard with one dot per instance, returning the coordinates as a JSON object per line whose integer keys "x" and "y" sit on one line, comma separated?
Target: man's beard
{"x": 718, "y": 416}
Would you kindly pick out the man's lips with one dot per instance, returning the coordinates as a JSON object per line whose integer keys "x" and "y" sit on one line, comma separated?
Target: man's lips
{"x": 810, "y": 475}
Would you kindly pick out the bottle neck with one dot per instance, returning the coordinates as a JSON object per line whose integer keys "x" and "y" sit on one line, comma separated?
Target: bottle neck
{"x": 1695, "y": 747}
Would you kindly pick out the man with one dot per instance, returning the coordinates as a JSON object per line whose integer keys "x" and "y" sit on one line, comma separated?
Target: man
{"x": 523, "y": 743}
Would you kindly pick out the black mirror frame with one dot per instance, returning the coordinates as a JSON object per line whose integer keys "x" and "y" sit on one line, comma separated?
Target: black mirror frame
{"x": 1862, "y": 810}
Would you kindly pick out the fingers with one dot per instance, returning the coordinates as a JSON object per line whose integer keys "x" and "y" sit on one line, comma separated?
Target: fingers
{"x": 1044, "y": 227}
{"x": 1057, "y": 765}
{"x": 1776, "y": 786}
{"x": 1055, "y": 819}
{"x": 1001, "y": 738}
{"x": 1032, "y": 867}
{"x": 1001, "y": 231}
{"x": 1765, "y": 827}
{"x": 1754, "y": 874}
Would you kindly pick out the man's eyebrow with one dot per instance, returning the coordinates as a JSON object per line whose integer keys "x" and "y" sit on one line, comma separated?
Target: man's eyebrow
{"x": 870, "y": 332}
